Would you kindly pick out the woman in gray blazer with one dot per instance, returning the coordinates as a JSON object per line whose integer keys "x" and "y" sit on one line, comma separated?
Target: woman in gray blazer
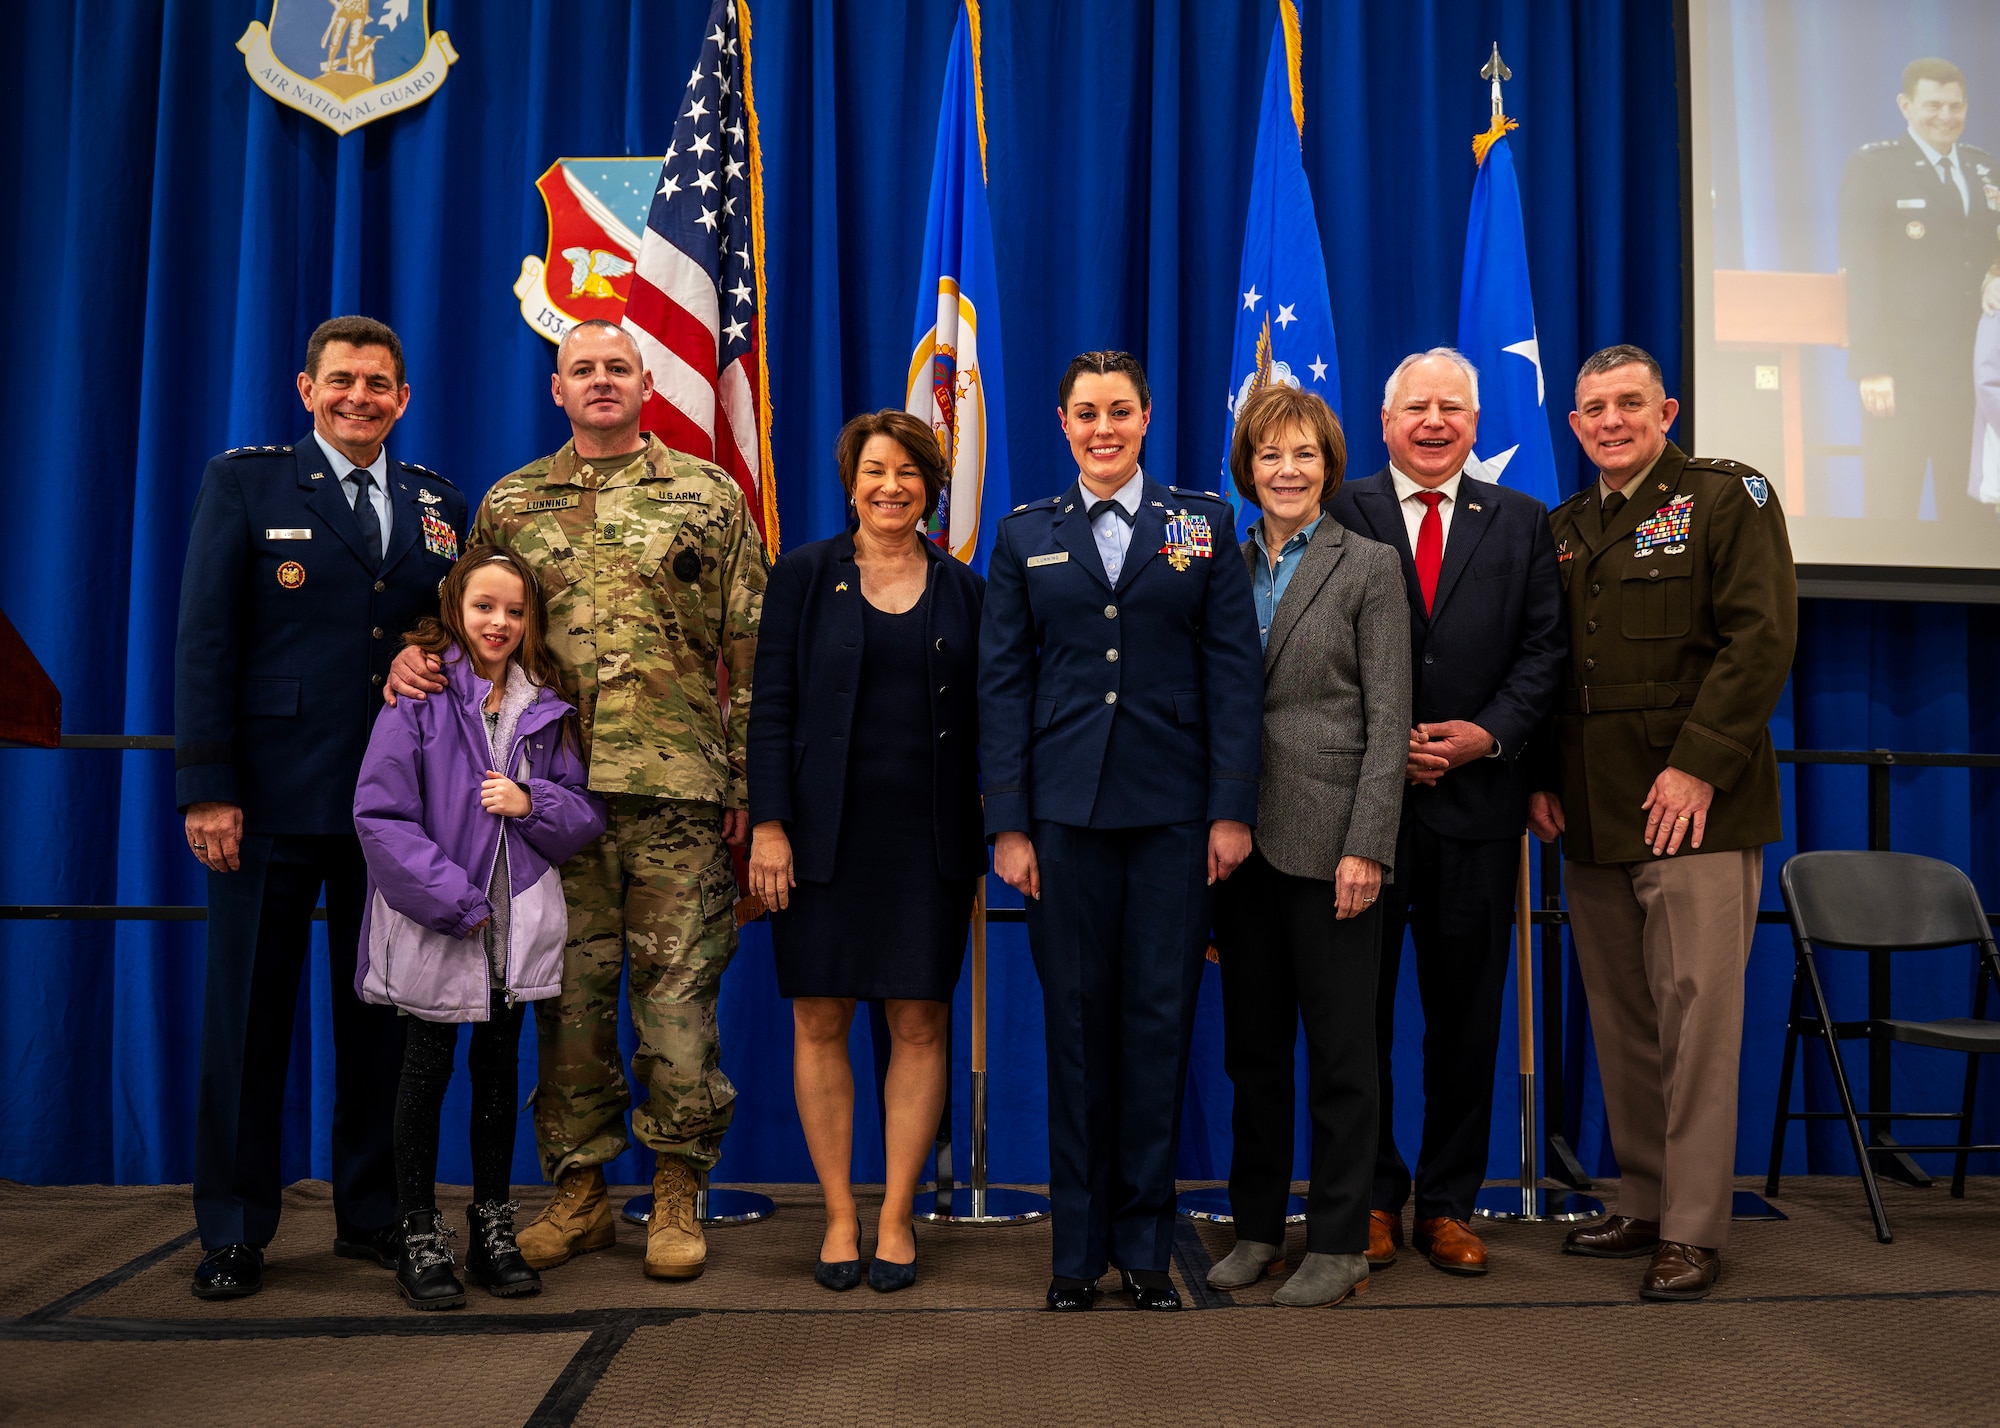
{"x": 1297, "y": 926}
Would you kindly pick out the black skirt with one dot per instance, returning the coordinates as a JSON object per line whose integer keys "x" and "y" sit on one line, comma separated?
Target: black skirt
{"x": 886, "y": 925}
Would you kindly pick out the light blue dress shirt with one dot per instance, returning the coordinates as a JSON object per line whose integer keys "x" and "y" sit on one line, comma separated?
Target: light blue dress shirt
{"x": 1113, "y": 536}
{"x": 378, "y": 494}
{"x": 1268, "y": 584}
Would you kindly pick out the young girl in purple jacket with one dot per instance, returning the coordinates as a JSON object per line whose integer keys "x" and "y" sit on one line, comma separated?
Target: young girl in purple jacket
{"x": 468, "y": 804}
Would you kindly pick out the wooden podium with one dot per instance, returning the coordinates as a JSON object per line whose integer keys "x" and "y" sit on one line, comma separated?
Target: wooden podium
{"x": 1787, "y": 311}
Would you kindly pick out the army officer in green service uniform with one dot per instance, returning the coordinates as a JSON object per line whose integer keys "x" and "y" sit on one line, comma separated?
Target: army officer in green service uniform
{"x": 1683, "y": 614}
{"x": 653, "y": 572}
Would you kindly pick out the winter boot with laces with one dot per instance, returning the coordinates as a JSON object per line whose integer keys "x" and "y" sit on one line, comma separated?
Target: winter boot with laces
{"x": 576, "y": 1220}
{"x": 423, "y": 1273}
{"x": 491, "y": 1256}
{"x": 675, "y": 1247}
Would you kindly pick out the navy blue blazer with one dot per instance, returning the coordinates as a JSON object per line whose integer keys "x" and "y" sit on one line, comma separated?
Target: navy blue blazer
{"x": 1130, "y": 707}
{"x": 809, "y": 647}
{"x": 1490, "y": 651}
{"x": 286, "y": 633}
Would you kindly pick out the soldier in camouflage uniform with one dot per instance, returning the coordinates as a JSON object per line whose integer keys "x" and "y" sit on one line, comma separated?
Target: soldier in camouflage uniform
{"x": 653, "y": 574}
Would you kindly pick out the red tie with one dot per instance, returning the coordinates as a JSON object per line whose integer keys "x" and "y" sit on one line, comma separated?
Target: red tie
{"x": 1430, "y": 546}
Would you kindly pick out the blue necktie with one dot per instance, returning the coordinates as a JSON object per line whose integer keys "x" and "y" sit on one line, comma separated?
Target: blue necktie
{"x": 365, "y": 517}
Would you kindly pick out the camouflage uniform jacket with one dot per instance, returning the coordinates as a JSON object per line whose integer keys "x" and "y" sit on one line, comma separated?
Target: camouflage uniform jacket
{"x": 652, "y": 572}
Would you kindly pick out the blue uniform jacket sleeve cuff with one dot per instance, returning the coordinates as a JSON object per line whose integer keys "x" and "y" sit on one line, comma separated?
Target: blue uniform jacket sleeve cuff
{"x": 1234, "y": 799}
{"x": 205, "y": 783}
{"x": 1006, "y": 813}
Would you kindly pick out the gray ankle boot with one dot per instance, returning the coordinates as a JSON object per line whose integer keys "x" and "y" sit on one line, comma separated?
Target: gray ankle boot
{"x": 1245, "y": 1265}
{"x": 1324, "y": 1279}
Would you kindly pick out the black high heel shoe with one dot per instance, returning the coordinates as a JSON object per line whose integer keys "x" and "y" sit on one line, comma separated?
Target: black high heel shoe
{"x": 1150, "y": 1289}
{"x": 838, "y": 1275}
{"x": 886, "y": 1278}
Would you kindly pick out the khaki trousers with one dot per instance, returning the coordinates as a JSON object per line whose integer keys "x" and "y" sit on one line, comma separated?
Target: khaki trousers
{"x": 1662, "y": 946}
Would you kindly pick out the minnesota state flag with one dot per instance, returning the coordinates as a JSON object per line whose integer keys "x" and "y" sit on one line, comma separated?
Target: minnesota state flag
{"x": 1284, "y": 319}
{"x": 1496, "y": 328}
{"x": 955, "y": 382}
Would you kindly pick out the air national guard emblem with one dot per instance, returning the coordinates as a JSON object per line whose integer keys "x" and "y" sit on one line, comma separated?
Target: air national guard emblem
{"x": 597, "y": 210}
{"x": 1187, "y": 537}
{"x": 347, "y": 62}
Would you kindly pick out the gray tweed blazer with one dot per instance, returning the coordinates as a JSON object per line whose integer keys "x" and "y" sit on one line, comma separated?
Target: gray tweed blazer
{"x": 1336, "y": 707}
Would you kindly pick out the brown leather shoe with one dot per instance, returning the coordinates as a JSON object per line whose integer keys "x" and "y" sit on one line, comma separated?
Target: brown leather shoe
{"x": 1385, "y": 1237}
{"x": 1450, "y": 1245}
{"x": 1619, "y": 1237}
{"x": 577, "y": 1220}
{"x": 1681, "y": 1271}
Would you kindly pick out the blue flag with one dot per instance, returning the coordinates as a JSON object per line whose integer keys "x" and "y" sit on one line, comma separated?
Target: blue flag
{"x": 1284, "y": 320}
{"x": 1496, "y": 330}
{"x": 955, "y": 365}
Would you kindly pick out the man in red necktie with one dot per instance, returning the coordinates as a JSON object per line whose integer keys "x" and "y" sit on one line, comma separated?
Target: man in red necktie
{"x": 1487, "y": 647}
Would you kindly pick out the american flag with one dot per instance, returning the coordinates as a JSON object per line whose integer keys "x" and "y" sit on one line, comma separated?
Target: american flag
{"x": 697, "y": 303}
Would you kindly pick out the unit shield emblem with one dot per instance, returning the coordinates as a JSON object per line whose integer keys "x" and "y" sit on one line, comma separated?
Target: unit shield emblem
{"x": 347, "y": 62}
{"x": 597, "y": 210}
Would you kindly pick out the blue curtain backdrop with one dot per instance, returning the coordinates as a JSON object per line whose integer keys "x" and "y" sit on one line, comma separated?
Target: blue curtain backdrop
{"x": 176, "y": 234}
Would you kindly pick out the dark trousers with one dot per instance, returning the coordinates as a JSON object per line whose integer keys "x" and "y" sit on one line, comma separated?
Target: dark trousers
{"x": 259, "y": 937}
{"x": 1456, "y": 895}
{"x": 1119, "y": 935}
{"x": 1932, "y": 424}
{"x": 1285, "y": 957}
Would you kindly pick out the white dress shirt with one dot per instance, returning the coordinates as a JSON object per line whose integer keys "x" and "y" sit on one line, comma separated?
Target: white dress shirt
{"x": 378, "y": 494}
{"x": 1413, "y": 509}
{"x": 1931, "y": 157}
{"x": 1113, "y": 536}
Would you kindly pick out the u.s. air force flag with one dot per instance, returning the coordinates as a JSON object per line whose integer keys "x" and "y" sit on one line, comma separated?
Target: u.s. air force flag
{"x": 955, "y": 358}
{"x": 1496, "y": 329}
{"x": 1284, "y": 320}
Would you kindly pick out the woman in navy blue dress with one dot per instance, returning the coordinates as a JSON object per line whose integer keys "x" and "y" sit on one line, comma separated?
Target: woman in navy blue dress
{"x": 864, "y": 804}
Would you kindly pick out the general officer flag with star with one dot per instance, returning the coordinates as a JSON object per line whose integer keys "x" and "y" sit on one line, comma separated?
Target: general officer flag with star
{"x": 1496, "y": 329}
{"x": 1284, "y": 319}
{"x": 954, "y": 383}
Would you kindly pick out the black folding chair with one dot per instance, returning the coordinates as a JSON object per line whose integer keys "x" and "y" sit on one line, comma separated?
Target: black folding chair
{"x": 1882, "y": 902}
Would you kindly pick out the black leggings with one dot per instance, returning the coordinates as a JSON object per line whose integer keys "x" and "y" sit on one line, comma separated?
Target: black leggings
{"x": 428, "y": 1049}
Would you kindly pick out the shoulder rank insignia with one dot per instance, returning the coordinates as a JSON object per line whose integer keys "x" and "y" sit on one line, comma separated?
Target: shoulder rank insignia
{"x": 1758, "y": 487}
{"x": 1187, "y": 538}
{"x": 1667, "y": 526}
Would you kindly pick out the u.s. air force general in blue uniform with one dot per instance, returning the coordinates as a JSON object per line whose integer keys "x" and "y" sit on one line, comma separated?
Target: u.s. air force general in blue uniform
{"x": 1119, "y": 716}
{"x": 288, "y": 621}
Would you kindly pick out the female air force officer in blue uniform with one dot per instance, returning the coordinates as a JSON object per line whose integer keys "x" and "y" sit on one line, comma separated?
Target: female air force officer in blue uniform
{"x": 1120, "y": 707}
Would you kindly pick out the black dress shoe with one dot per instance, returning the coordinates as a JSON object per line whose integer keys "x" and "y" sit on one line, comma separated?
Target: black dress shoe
{"x": 229, "y": 1272}
{"x": 838, "y": 1275}
{"x": 1070, "y": 1296}
{"x": 885, "y": 1277}
{"x": 1150, "y": 1289}
{"x": 383, "y": 1246}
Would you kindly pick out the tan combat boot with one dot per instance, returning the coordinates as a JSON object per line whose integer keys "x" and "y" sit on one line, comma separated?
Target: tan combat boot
{"x": 576, "y": 1220}
{"x": 675, "y": 1246}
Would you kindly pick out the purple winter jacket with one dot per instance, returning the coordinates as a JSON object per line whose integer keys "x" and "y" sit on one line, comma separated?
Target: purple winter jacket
{"x": 431, "y": 848}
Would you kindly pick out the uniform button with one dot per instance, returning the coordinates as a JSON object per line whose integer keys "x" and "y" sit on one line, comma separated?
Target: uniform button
{"x": 1653, "y": 575}
{"x": 1595, "y": 589}
{"x": 1111, "y": 655}
{"x": 940, "y": 643}
{"x": 376, "y": 632}
{"x": 941, "y": 734}
{"x": 1590, "y": 664}
{"x": 1110, "y": 612}
{"x": 1590, "y": 627}
{"x": 1430, "y": 659}
{"x": 375, "y": 679}
{"x": 944, "y": 689}
{"x": 1110, "y": 696}
{"x": 380, "y": 586}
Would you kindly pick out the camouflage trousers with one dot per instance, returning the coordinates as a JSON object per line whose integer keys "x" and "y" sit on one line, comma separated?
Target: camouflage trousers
{"x": 657, "y": 887}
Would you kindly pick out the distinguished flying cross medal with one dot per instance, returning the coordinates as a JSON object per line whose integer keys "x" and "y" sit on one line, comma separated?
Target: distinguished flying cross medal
{"x": 1187, "y": 537}
{"x": 1667, "y": 526}
{"x": 347, "y": 62}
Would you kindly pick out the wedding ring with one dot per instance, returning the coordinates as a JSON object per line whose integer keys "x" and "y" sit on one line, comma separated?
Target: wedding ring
{"x": 199, "y": 847}
{"x": 1682, "y": 819}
